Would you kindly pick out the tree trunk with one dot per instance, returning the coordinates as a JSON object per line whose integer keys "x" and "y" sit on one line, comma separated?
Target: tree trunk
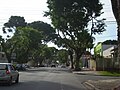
{"x": 77, "y": 60}
{"x": 118, "y": 56}
{"x": 116, "y": 11}
{"x": 71, "y": 59}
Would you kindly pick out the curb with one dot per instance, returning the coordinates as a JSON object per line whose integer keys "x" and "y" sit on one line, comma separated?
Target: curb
{"x": 116, "y": 87}
{"x": 90, "y": 86}
{"x": 86, "y": 73}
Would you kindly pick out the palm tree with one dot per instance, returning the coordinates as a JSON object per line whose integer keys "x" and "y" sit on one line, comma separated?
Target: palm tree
{"x": 116, "y": 11}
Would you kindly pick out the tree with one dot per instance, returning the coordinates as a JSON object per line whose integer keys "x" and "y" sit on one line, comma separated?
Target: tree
{"x": 49, "y": 54}
{"x": 63, "y": 56}
{"x": 29, "y": 40}
{"x": 110, "y": 42}
{"x": 13, "y": 23}
{"x": 23, "y": 44}
{"x": 47, "y": 30}
{"x": 70, "y": 18}
{"x": 70, "y": 52}
{"x": 8, "y": 47}
{"x": 116, "y": 11}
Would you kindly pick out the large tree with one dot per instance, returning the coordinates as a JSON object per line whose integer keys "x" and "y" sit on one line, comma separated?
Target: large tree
{"x": 8, "y": 45}
{"x": 22, "y": 45}
{"x": 28, "y": 41}
{"x": 13, "y": 23}
{"x": 47, "y": 30}
{"x": 116, "y": 11}
{"x": 70, "y": 18}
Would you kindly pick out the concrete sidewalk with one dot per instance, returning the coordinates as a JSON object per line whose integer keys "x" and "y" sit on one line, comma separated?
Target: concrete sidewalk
{"x": 111, "y": 84}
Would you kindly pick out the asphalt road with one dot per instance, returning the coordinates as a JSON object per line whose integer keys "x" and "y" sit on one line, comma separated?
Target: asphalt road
{"x": 51, "y": 79}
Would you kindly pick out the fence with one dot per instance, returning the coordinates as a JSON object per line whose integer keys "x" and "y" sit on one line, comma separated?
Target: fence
{"x": 107, "y": 64}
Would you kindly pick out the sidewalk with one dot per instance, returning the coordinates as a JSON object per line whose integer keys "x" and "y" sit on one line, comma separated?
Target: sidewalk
{"x": 111, "y": 84}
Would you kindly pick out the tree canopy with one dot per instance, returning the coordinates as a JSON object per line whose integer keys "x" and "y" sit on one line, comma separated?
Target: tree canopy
{"x": 70, "y": 18}
{"x": 27, "y": 39}
{"x": 47, "y": 30}
{"x": 13, "y": 23}
{"x": 111, "y": 42}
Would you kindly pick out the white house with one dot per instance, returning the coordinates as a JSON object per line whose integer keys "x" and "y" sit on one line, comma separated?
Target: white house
{"x": 107, "y": 50}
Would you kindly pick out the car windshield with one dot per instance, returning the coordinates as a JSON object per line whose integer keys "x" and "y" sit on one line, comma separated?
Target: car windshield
{"x": 2, "y": 67}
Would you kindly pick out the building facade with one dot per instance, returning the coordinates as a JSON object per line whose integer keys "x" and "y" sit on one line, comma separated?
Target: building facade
{"x": 104, "y": 50}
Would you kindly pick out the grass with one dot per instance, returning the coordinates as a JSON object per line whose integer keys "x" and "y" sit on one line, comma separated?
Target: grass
{"x": 107, "y": 73}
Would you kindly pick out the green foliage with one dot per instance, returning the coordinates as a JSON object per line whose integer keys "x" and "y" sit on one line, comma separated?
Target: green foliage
{"x": 46, "y": 54}
{"x": 107, "y": 73}
{"x": 26, "y": 41}
{"x": 47, "y": 31}
{"x": 15, "y": 21}
{"x": 8, "y": 48}
{"x": 30, "y": 39}
{"x": 63, "y": 56}
{"x": 70, "y": 18}
{"x": 12, "y": 24}
{"x": 49, "y": 52}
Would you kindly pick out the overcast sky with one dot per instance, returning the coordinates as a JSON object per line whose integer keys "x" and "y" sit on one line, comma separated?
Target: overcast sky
{"x": 33, "y": 10}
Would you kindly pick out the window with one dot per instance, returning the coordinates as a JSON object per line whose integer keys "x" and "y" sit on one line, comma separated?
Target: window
{"x": 2, "y": 67}
{"x": 11, "y": 67}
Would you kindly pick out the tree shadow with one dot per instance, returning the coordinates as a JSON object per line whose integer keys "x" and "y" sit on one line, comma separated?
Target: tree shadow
{"x": 39, "y": 85}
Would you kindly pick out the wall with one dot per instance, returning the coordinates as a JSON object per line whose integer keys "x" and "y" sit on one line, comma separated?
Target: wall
{"x": 107, "y": 50}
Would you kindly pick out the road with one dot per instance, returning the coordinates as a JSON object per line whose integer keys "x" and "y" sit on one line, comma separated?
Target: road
{"x": 51, "y": 79}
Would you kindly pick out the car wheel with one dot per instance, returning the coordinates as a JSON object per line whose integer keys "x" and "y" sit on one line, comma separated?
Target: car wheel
{"x": 17, "y": 80}
{"x": 10, "y": 82}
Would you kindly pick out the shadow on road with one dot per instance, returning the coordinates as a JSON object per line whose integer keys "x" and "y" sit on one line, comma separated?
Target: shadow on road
{"x": 38, "y": 85}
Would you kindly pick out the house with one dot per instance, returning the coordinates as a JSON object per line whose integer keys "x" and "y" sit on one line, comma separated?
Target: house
{"x": 104, "y": 50}
{"x": 104, "y": 56}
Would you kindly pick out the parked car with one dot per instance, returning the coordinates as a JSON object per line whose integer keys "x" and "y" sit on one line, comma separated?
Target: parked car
{"x": 53, "y": 65}
{"x": 8, "y": 73}
{"x": 20, "y": 67}
{"x": 63, "y": 66}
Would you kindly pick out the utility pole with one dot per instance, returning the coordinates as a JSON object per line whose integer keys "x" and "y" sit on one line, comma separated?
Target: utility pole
{"x": 118, "y": 8}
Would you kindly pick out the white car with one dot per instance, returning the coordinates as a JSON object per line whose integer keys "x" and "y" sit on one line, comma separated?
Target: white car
{"x": 8, "y": 74}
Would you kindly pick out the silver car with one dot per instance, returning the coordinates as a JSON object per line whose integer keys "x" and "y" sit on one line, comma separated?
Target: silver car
{"x": 8, "y": 74}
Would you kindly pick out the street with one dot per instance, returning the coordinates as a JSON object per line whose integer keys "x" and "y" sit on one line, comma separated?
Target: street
{"x": 46, "y": 78}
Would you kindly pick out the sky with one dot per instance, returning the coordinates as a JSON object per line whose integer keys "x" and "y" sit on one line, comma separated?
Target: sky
{"x": 33, "y": 10}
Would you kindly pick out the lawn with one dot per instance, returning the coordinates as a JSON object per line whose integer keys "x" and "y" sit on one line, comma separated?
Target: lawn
{"x": 107, "y": 73}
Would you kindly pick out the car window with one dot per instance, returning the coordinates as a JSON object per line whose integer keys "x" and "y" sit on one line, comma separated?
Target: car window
{"x": 11, "y": 67}
{"x": 2, "y": 67}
